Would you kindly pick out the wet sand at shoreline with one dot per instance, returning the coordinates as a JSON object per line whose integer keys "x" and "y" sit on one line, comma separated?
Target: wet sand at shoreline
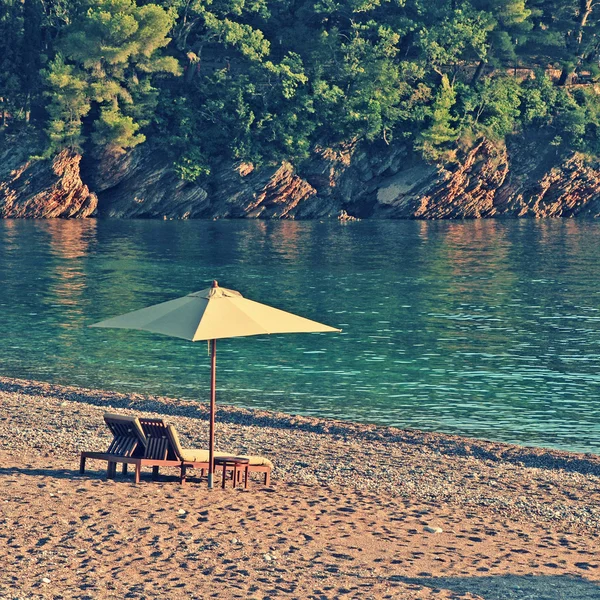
{"x": 346, "y": 516}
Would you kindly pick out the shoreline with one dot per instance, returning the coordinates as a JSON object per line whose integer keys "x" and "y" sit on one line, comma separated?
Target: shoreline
{"x": 444, "y": 443}
{"x": 349, "y": 512}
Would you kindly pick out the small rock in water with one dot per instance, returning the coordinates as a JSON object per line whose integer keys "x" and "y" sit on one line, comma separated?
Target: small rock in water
{"x": 429, "y": 529}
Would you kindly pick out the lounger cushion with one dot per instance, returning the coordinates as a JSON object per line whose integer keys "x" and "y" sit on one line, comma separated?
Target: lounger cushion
{"x": 174, "y": 439}
{"x": 257, "y": 461}
{"x": 199, "y": 455}
{"x": 194, "y": 455}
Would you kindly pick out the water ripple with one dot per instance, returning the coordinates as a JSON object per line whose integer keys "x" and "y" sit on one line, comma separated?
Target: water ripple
{"x": 486, "y": 329}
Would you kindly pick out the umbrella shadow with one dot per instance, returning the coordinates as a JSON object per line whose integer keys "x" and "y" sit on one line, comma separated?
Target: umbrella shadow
{"x": 514, "y": 587}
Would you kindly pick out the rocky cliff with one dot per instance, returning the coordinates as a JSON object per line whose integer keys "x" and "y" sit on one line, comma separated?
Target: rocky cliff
{"x": 42, "y": 188}
{"x": 522, "y": 179}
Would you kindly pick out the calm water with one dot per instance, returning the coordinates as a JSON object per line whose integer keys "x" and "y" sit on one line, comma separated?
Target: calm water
{"x": 489, "y": 329}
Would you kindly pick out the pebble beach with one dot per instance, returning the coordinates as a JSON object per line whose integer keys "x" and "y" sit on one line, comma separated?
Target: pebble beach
{"x": 353, "y": 511}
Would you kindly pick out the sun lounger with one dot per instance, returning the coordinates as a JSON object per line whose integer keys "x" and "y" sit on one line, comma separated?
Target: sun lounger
{"x": 192, "y": 458}
{"x": 132, "y": 445}
{"x": 153, "y": 443}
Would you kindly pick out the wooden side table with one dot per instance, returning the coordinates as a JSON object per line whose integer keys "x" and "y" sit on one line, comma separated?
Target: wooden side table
{"x": 235, "y": 464}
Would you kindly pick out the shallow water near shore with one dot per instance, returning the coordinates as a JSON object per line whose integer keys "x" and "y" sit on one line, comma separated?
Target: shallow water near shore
{"x": 488, "y": 329}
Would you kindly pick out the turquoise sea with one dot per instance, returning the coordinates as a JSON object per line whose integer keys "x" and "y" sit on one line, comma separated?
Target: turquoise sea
{"x": 486, "y": 328}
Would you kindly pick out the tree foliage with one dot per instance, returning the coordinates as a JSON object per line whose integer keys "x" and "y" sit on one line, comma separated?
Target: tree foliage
{"x": 259, "y": 81}
{"x": 105, "y": 59}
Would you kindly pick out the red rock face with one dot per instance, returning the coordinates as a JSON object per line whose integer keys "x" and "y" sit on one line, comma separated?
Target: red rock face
{"x": 47, "y": 189}
{"x": 274, "y": 193}
{"x": 462, "y": 191}
{"x": 569, "y": 190}
{"x": 527, "y": 179}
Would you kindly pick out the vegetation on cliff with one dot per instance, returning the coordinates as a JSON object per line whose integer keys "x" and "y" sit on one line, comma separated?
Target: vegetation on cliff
{"x": 261, "y": 82}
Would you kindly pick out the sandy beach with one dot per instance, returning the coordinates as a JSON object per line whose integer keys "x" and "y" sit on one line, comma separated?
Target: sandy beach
{"x": 353, "y": 511}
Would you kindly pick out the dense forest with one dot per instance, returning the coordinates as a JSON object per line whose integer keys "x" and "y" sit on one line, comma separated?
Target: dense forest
{"x": 264, "y": 81}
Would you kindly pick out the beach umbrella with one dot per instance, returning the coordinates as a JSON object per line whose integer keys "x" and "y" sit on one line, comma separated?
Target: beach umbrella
{"x": 212, "y": 314}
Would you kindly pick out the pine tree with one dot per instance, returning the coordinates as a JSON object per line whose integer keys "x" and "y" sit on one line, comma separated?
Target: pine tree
{"x": 11, "y": 29}
{"x": 31, "y": 55}
{"x": 69, "y": 103}
{"x": 566, "y": 32}
{"x": 111, "y": 50}
{"x": 512, "y": 25}
{"x": 432, "y": 141}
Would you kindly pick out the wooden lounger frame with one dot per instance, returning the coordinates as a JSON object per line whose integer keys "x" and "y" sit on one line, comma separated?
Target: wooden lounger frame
{"x": 204, "y": 466}
{"x": 137, "y": 462}
{"x": 130, "y": 448}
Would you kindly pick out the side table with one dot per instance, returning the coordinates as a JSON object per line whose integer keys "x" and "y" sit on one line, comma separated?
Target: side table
{"x": 235, "y": 464}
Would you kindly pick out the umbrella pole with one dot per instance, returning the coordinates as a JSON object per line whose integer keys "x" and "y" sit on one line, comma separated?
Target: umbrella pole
{"x": 211, "y": 426}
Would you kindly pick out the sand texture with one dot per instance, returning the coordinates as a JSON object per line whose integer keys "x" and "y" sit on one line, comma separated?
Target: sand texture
{"x": 353, "y": 511}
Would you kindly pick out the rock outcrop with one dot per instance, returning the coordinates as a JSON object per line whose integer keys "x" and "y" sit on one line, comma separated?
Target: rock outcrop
{"x": 466, "y": 192}
{"x": 271, "y": 193}
{"x": 42, "y": 188}
{"x": 521, "y": 180}
{"x": 142, "y": 184}
{"x": 526, "y": 178}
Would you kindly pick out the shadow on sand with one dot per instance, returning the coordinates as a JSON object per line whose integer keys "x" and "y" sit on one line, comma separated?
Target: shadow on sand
{"x": 74, "y": 475}
{"x": 40, "y": 472}
{"x": 514, "y": 587}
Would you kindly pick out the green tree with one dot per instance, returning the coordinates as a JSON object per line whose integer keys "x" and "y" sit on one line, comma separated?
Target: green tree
{"x": 69, "y": 103}
{"x": 270, "y": 81}
{"x": 11, "y": 37}
{"x": 459, "y": 35}
{"x": 538, "y": 100}
{"x": 31, "y": 56}
{"x": 566, "y": 33}
{"x": 492, "y": 107}
{"x": 108, "y": 55}
{"x": 511, "y": 27}
{"x": 433, "y": 141}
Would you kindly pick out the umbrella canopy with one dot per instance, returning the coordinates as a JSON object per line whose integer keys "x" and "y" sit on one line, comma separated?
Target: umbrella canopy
{"x": 212, "y": 314}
